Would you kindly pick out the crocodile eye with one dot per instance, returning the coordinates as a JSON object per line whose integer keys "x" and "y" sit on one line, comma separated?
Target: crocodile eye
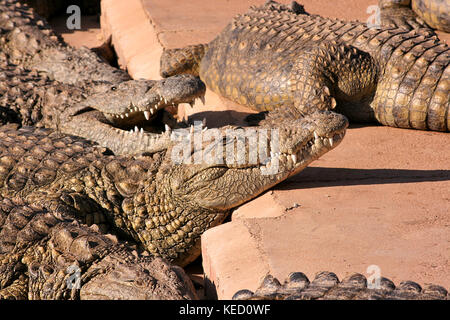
{"x": 114, "y": 88}
{"x": 69, "y": 58}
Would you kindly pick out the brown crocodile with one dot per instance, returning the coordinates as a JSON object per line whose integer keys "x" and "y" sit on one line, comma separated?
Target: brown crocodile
{"x": 28, "y": 40}
{"x": 48, "y": 180}
{"x": 55, "y": 257}
{"x": 280, "y": 59}
{"x": 326, "y": 286}
{"x": 123, "y": 117}
{"x": 47, "y": 83}
{"x": 415, "y": 14}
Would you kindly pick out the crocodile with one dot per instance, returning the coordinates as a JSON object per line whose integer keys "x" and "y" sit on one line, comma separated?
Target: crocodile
{"x": 50, "y": 181}
{"x": 283, "y": 61}
{"x": 47, "y": 83}
{"x": 58, "y": 258}
{"x": 123, "y": 117}
{"x": 28, "y": 40}
{"x": 326, "y": 286}
{"x": 415, "y": 14}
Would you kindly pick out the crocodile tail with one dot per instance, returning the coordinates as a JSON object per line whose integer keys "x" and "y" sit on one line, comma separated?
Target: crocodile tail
{"x": 184, "y": 60}
{"x": 413, "y": 91}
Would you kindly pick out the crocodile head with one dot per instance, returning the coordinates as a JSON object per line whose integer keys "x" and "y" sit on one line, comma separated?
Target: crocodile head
{"x": 197, "y": 191}
{"x": 128, "y": 116}
{"x": 283, "y": 151}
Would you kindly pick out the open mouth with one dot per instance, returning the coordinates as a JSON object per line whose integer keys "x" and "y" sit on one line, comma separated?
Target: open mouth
{"x": 308, "y": 152}
{"x": 134, "y": 114}
{"x": 143, "y": 105}
{"x": 155, "y": 118}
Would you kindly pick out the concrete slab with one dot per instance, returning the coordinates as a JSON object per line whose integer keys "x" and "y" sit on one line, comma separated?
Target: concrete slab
{"x": 133, "y": 37}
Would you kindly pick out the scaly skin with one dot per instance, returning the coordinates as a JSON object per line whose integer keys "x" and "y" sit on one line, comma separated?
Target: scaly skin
{"x": 277, "y": 58}
{"x": 101, "y": 112}
{"x": 47, "y": 83}
{"x": 326, "y": 286}
{"x": 50, "y": 248}
{"x": 26, "y": 39}
{"x": 48, "y": 181}
{"x": 416, "y": 13}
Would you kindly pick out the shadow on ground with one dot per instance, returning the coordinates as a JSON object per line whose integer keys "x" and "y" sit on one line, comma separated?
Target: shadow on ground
{"x": 314, "y": 177}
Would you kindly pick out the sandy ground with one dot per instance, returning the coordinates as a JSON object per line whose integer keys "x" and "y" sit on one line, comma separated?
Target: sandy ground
{"x": 89, "y": 35}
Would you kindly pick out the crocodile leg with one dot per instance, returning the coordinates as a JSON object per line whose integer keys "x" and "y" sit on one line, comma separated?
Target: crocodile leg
{"x": 402, "y": 96}
{"x": 185, "y": 60}
{"x": 414, "y": 14}
{"x": 398, "y": 13}
{"x": 436, "y": 13}
{"x": 334, "y": 76}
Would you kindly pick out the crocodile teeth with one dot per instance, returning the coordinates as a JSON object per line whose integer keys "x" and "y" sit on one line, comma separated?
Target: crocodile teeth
{"x": 147, "y": 115}
{"x": 136, "y": 129}
{"x": 121, "y": 116}
{"x": 330, "y": 140}
{"x": 316, "y": 136}
{"x": 191, "y": 104}
{"x": 333, "y": 103}
{"x": 167, "y": 128}
{"x": 151, "y": 111}
{"x": 202, "y": 99}
{"x": 126, "y": 115}
{"x": 294, "y": 158}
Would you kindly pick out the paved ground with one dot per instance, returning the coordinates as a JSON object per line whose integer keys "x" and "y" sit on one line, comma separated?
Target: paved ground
{"x": 382, "y": 197}
{"x": 89, "y": 35}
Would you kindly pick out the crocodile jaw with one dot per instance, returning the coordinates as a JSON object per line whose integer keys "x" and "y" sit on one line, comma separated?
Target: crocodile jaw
{"x": 301, "y": 142}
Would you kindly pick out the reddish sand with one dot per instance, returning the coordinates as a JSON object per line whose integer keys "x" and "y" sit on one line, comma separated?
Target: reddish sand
{"x": 89, "y": 35}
